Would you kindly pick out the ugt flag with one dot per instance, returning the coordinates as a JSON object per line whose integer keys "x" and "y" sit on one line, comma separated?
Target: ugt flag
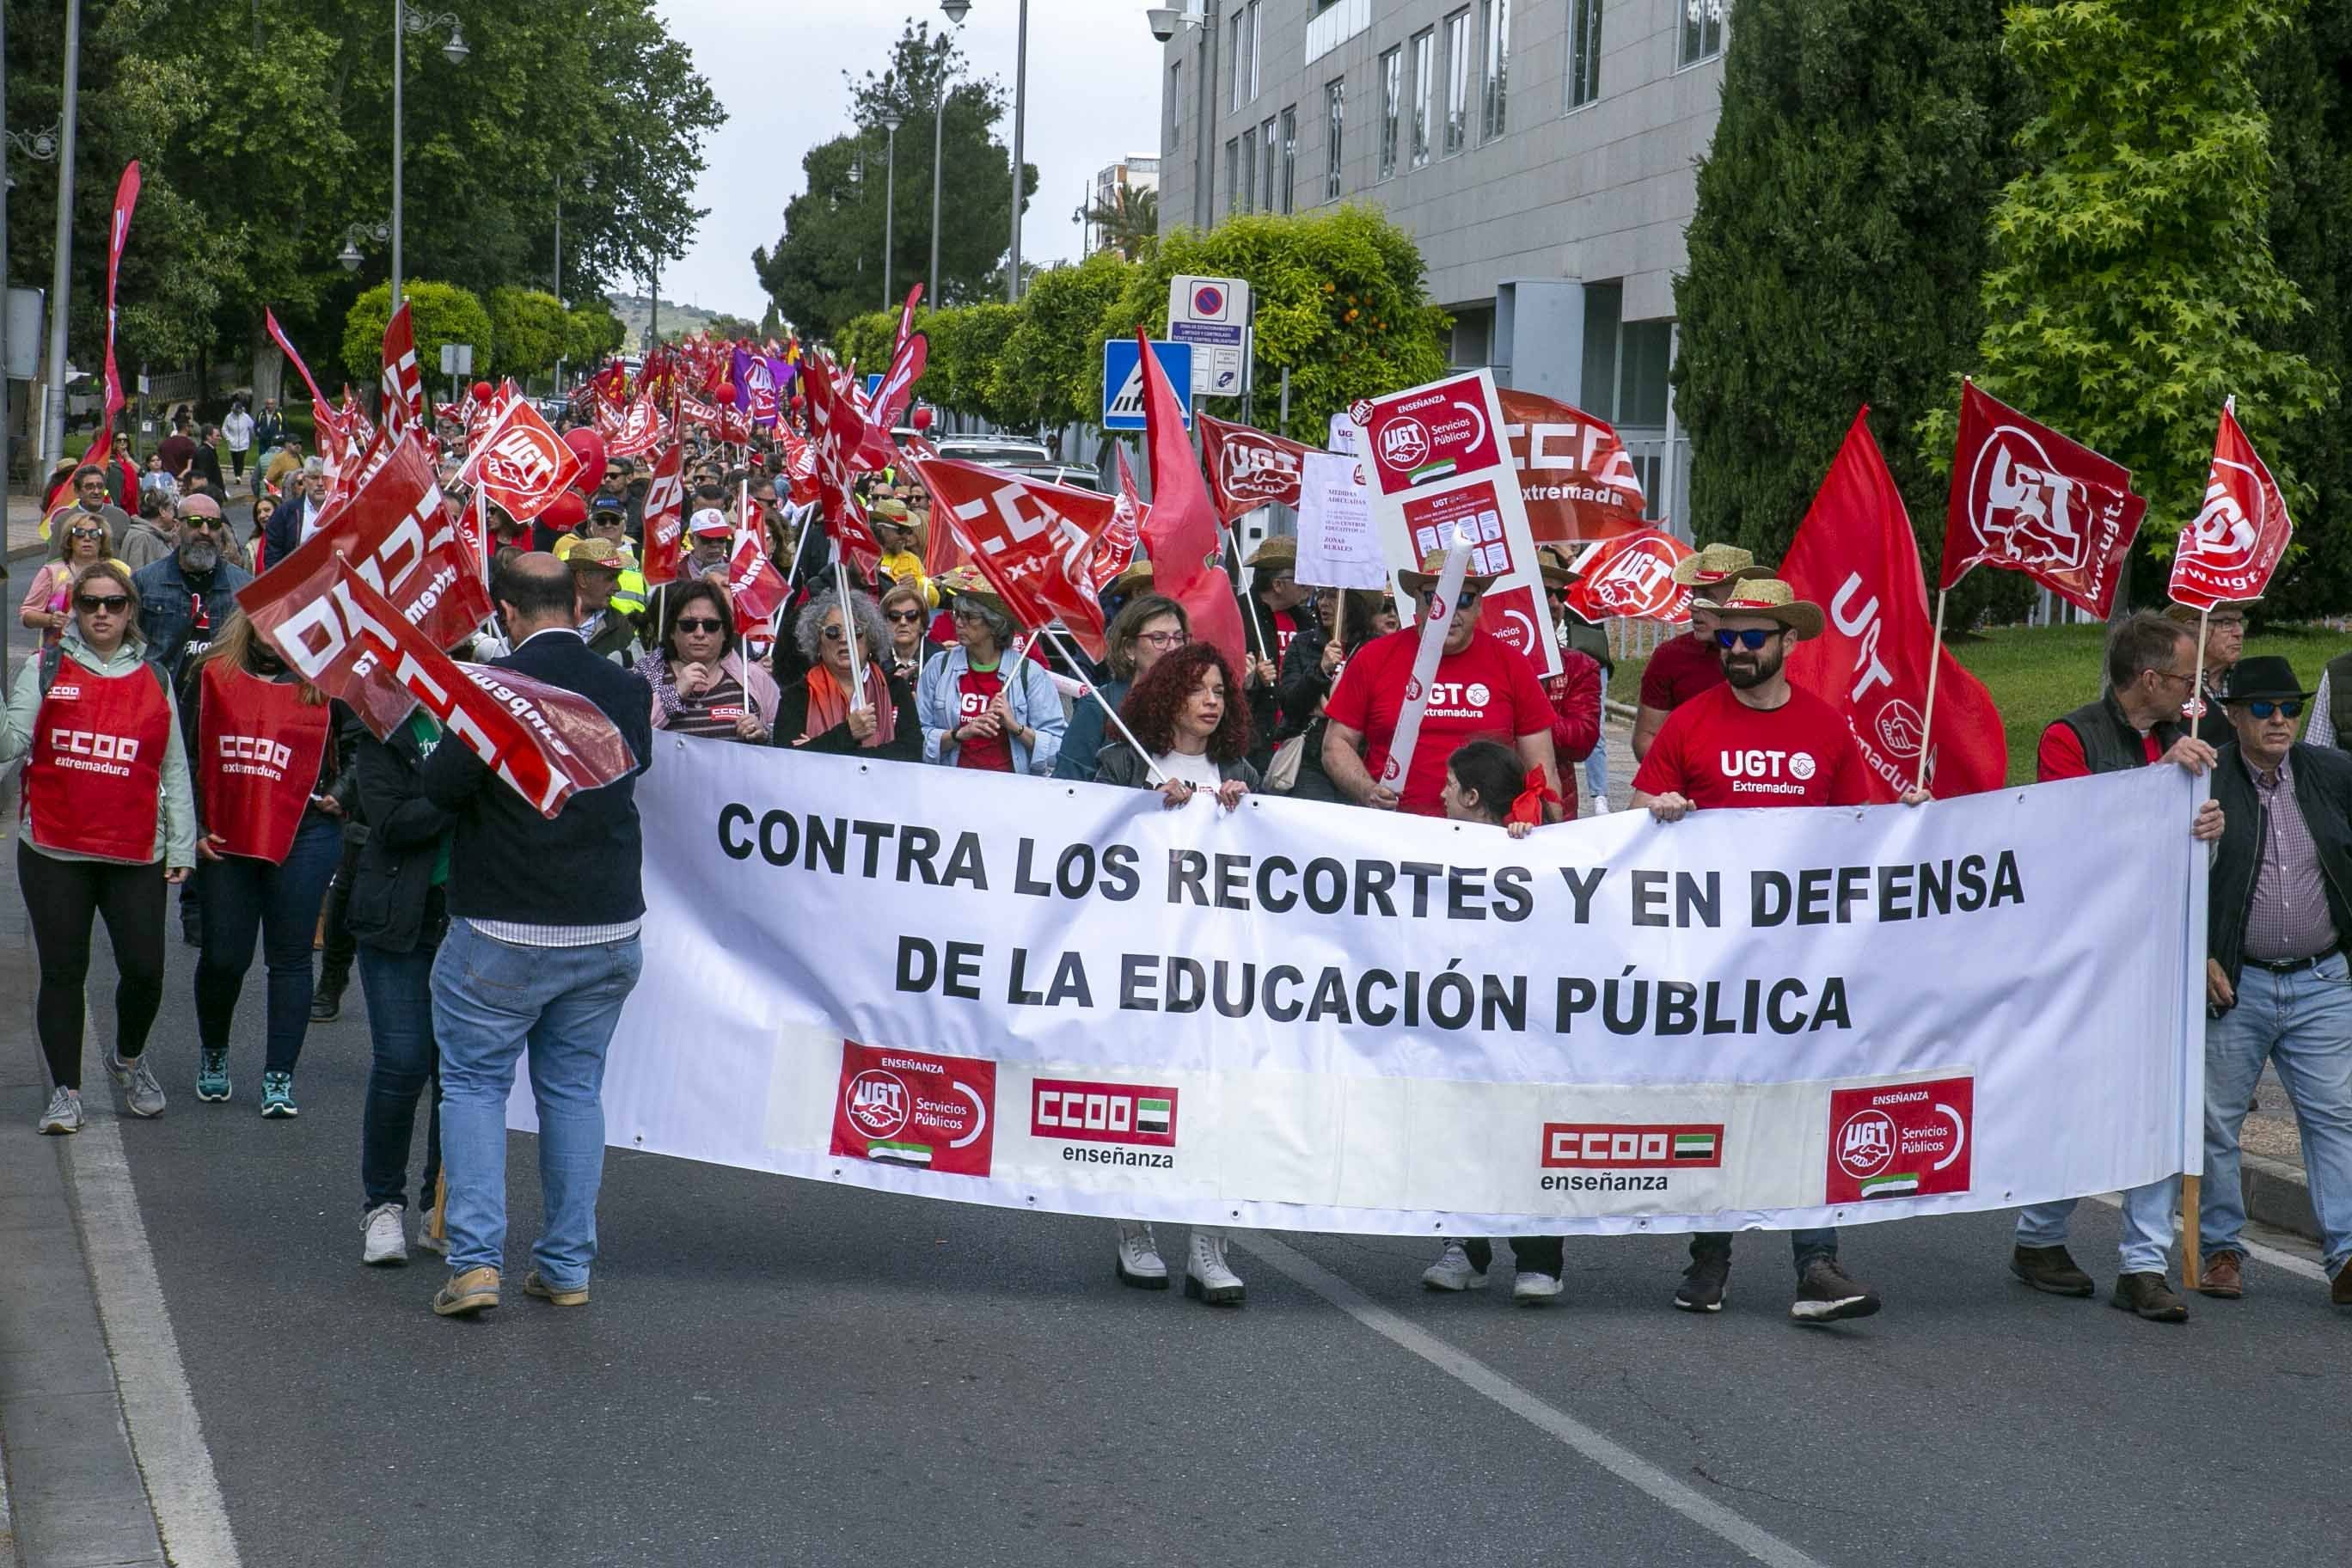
{"x": 1854, "y": 554}
{"x": 2027, "y": 499}
{"x": 2228, "y": 553}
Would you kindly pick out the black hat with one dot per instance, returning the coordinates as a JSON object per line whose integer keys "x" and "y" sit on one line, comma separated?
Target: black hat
{"x": 2267, "y": 677}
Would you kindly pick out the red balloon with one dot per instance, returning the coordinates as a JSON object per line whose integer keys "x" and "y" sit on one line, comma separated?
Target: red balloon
{"x": 568, "y": 511}
{"x": 724, "y": 391}
{"x": 922, "y": 419}
{"x": 482, "y": 391}
{"x": 590, "y": 446}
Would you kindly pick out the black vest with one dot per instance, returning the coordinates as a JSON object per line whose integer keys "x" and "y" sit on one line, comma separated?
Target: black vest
{"x": 2110, "y": 745}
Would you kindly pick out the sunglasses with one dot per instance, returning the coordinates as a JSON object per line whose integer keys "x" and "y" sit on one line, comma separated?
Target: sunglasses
{"x": 2290, "y": 709}
{"x": 832, "y": 634}
{"x": 700, "y": 623}
{"x": 200, "y": 524}
{"x": 1753, "y": 639}
{"x": 1463, "y": 601}
{"x": 108, "y": 604}
{"x": 86, "y": 533}
{"x": 906, "y": 615}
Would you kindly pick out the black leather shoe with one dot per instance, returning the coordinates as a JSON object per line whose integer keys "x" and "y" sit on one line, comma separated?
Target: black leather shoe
{"x": 326, "y": 1003}
{"x": 2052, "y": 1269}
{"x": 2148, "y": 1296}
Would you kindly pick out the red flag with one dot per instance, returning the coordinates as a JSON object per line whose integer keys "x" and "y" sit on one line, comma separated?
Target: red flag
{"x": 839, "y": 437}
{"x": 521, "y": 463}
{"x": 1030, "y": 539}
{"x": 395, "y": 532}
{"x": 753, "y": 583}
{"x": 322, "y": 413}
{"x": 638, "y": 432}
{"x": 126, "y": 197}
{"x": 403, "y": 384}
{"x": 1115, "y": 539}
{"x": 1183, "y": 534}
{"x": 349, "y": 640}
{"x": 897, "y": 388}
{"x": 664, "y": 515}
{"x": 1575, "y": 474}
{"x": 2027, "y": 499}
{"x": 734, "y": 424}
{"x": 799, "y": 465}
{"x": 1855, "y": 555}
{"x": 1632, "y": 576}
{"x": 609, "y": 419}
{"x": 2230, "y": 551}
{"x": 692, "y": 410}
{"x": 1247, "y": 467}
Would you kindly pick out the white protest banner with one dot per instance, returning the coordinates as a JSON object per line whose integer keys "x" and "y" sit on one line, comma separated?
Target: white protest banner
{"x": 1435, "y": 460}
{"x": 1337, "y": 546}
{"x": 1314, "y": 1017}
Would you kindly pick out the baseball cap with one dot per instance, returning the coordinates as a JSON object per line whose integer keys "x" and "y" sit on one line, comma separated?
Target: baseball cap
{"x": 711, "y": 520}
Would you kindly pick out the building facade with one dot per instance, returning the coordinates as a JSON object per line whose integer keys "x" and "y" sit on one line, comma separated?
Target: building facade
{"x": 1541, "y": 152}
{"x": 1135, "y": 174}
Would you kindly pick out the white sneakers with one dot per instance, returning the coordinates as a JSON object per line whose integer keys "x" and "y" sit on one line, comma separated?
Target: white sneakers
{"x": 386, "y": 1242}
{"x": 1454, "y": 1270}
{"x": 1205, "y": 1274}
{"x": 1532, "y": 1288}
{"x": 64, "y": 1114}
{"x": 1140, "y": 1263}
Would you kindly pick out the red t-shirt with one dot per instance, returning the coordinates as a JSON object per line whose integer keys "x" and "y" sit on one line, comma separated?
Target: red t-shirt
{"x": 1718, "y": 751}
{"x": 2060, "y": 755}
{"x": 1679, "y": 670}
{"x": 1487, "y": 691}
{"x": 974, "y": 690}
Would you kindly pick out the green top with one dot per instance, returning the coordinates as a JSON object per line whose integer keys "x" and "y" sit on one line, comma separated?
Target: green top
{"x": 428, "y": 735}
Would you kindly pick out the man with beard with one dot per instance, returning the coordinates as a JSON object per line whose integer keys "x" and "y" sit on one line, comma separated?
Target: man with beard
{"x": 1704, "y": 757}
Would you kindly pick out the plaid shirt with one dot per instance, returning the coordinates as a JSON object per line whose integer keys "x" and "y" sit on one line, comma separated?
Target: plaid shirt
{"x": 2289, "y": 917}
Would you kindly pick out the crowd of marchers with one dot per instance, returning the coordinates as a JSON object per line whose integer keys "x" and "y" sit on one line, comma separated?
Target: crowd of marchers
{"x": 483, "y": 933}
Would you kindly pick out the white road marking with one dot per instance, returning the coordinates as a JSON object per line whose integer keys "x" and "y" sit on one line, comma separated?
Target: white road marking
{"x": 166, "y": 1437}
{"x": 1612, "y": 1457}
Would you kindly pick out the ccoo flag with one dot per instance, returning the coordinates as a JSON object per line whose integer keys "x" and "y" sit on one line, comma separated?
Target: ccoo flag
{"x": 1855, "y": 554}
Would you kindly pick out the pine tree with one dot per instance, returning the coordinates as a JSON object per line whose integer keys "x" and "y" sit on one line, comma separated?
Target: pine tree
{"x": 1836, "y": 248}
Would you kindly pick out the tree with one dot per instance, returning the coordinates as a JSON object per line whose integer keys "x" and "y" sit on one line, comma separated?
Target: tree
{"x": 827, "y": 265}
{"x": 1049, "y": 368}
{"x": 1836, "y": 248}
{"x": 2131, "y": 282}
{"x": 438, "y": 313}
{"x": 1128, "y": 219}
{"x": 591, "y": 332}
{"x": 732, "y": 328}
{"x": 530, "y": 329}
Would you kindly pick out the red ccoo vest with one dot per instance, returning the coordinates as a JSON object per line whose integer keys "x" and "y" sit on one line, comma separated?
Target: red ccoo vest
{"x": 259, "y": 745}
{"x": 94, "y": 784}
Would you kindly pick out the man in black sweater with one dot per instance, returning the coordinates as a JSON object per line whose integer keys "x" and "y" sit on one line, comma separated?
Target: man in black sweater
{"x": 540, "y": 954}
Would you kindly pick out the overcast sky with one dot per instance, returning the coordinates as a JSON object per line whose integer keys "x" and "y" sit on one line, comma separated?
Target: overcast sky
{"x": 1093, "y": 98}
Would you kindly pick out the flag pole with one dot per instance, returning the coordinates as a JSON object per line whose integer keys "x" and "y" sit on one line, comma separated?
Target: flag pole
{"x": 1934, "y": 663}
{"x": 1151, "y": 769}
{"x": 849, "y": 635}
{"x": 2193, "y": 1183}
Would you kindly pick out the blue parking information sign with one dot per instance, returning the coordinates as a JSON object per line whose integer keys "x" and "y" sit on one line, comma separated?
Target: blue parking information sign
{"x": 1123, "y": 380}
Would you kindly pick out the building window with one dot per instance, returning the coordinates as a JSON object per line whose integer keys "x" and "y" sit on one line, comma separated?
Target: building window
{"x": 1392, "y": 107}
{"x": 1254, "y": 39}
{"x": 1458, "y": 82}
{"x": 1268, "y": 152}
{"x": 1583, "y": 52}
{"x": 1494, "y": 65}
{"x": 1702, "y": 30}
{"x": 1232, "y": 176}
{"x": 1249, "y": 170}
{"x": 1424, "y": 81}
{"x": 1175, "y": 105}
{"x": 1289, "y": 157}
{"x": 1236, "y": 40}
{"x": 1335, "y": 118}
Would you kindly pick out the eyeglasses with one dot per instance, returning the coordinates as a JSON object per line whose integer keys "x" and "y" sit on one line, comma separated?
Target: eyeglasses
{"x": 699, "y": 624}
{"x": 1752, "y": 638}
{"x": 905, "y": 615}
{"x": 107, "y": 604}
{"x": 1164, "y": 640}
{"x": 2172, "y": 675}
{"x": 834, "y": 634}
{"x": 2290, "y": 709}
{"x": 968, "y": 615}
{"x": 1462, "y": 601}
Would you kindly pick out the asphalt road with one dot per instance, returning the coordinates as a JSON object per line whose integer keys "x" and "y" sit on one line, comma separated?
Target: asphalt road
{"x": 783, "y": 1371}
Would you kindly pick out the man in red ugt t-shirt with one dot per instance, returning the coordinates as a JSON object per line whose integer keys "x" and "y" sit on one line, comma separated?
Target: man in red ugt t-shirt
{"x": 1483, "y": 689}
{"x": 1757, "y": 741}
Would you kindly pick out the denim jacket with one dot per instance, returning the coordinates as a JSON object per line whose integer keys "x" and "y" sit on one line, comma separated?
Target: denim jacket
{"x": 1027, "y": 689}
{"x": 167, "y": 608}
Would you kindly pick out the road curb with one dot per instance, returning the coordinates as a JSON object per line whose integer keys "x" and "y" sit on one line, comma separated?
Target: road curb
{"x": 2278, "y": 1194}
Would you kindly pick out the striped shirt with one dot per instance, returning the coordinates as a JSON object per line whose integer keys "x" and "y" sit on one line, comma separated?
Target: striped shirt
{"x": 713, "y": 712}
{"x": 2289, "y": 918}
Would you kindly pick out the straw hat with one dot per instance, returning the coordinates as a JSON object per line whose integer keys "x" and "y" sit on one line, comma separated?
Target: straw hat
{"x": 1432, "y": 565}
{"x": 1136, "y": 579}
{"x": 1281, "y": 549}
{"x": 1717, "y": 563}
{"x": 597, "y": 555}
{"x": 1767, "y": 599}
{"x": 1557, "y": 573}
{"x": 966, "y": 582}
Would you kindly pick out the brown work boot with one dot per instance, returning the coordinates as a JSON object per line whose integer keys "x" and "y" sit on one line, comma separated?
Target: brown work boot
{"x": 2341, "y": 1292}
{"x": 475, "y": 1291}
{"x": 2050, "y": 1269}
{"x": 2224, "y": 1276}
{"x": 2148, "y": 1296}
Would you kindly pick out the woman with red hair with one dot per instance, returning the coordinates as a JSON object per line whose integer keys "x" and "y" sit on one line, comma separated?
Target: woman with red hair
{"x": 1187, "y": 712}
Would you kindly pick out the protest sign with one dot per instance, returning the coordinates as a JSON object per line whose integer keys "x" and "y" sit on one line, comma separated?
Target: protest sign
{"x": 1337, "y": 545}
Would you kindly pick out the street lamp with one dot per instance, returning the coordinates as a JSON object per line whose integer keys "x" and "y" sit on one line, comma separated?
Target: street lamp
{"x": 890, "y": 123}
{"x": 406, "y": 19}
{"x": 1165, "y": 21}
{"x": 353, "y": 235}
{"x": 956, "y": 11}
{"x": 53, "y": 416}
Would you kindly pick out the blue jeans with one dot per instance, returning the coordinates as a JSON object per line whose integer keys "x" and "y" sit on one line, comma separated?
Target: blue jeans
{"x": 2147, "y": 1245}
{"x": 1596, "y": 773}
{"x": 492, "y": 1002}
{"x": 2302, "y": 1022}
{"x": 406, "y": 1065}
{"x": 244, "y": 898}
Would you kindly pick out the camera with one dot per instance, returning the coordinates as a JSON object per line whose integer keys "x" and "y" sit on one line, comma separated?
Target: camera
{"x": 1164, "y": 20}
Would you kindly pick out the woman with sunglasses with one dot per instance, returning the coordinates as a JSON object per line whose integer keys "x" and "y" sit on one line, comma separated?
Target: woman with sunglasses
{"x": 702, "y": 683}
{"x": 979, "y": 707}
{"x": 1151, "y": 627}
{"x": 108, "y": 824}
{"x": 814, "y": 713}
{"x": 905, "y": 612}
{"x": 80, "y": 539}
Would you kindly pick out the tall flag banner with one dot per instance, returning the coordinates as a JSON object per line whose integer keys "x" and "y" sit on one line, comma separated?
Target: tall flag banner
{"x": 359, "y": 431}
{"x": 608, "y": 419}
{"x": 1631, "y": 577}
{"x": 1185, "y": 534}
{"x": 403, "y": 384}
{"x": 734, "y": 424}
{"x": 1118, "y": 537}
{"x": 1031, "y": 539}
{"x": 664, "y": 515}
{"x": 639, "y": 432}
{"x": 838, "y": 435}
{"x": 1248, "y": 468}
{"x": 1855, "y": 555}
{"x": 322, "y": 413}
{"x": 332, "y": 626}
{"x": 897, "y": 387}
{"x": 521, "y": 463}
{"x": 2228, "y": 555}
{"x": 799, "y": 459}
{"x": 693, "y": 410}
{"x": 1576, "y": 477}
{"x": 907, "y": 315}
{"x": 126, "y": 197}
{"x": 2028, "y": 499}
{"x": 753, "y": 584}
{"x": 396, "y": 531}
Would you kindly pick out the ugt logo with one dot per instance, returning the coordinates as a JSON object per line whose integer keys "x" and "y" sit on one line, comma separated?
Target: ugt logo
{"x": 2223, "y": 538}
{"x": 2022, "y": 508}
